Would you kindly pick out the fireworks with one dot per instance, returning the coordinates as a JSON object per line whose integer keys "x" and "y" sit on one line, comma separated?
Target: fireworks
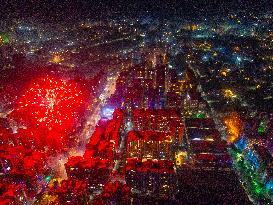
{"x": 51, "y": 103}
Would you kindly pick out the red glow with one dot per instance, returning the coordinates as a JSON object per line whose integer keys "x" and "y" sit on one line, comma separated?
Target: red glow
{"x": 50, "y": 102}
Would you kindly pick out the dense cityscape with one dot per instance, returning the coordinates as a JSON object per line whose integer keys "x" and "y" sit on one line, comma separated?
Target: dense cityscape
{"x": 136, "y": 109}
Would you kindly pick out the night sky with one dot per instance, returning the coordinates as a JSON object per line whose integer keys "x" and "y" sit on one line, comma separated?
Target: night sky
{"x": 78, "y": 9}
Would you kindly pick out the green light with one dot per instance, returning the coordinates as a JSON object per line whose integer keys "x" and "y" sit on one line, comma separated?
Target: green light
{"x": 48, "y": 178}
{"x": 256, "y": 186}
{"x": 238, "y": 155}
{"x": 261, "y": 128}
{"x": 4, "y": 39}
{"x": 258, "y": 190}
{"x": 199, "y": 115}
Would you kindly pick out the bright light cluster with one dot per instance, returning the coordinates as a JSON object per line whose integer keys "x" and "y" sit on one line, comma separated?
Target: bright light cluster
{"x": 51, "y": 102}
{"x": 234, "y": 126}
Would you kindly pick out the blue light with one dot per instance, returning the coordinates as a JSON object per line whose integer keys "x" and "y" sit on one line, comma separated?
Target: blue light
{"x": 223, "y": 50}
{"x": 239, "y": 59}
{"x": 107, "y": 112}
{"x": 205, "y": 57}
{"x": 269, "y": 185}
{"x": 152, "y": 103}
{"x": 253, "y": 160}
{"x": 241, "y": 143}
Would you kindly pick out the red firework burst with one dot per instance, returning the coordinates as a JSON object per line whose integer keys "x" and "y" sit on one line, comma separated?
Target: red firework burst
{"x": 51, "y": 102}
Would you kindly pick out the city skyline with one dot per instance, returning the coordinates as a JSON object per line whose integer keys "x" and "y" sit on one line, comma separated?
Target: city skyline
{"x": 172, "y": 105}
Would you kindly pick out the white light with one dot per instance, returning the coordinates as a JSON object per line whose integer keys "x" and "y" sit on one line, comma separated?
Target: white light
{"x": 196, "y": 139}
